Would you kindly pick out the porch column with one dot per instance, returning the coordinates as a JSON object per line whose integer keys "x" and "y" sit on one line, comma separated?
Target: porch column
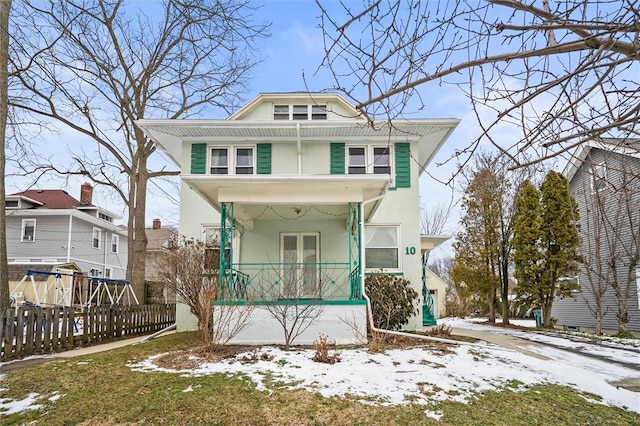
{"x": 226, "y": 257}
{"x": 355, "y": 246}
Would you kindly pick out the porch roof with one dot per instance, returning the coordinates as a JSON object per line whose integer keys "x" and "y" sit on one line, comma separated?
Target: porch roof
{"x": 290, "y": 197}
{"x": 429, "y": 134}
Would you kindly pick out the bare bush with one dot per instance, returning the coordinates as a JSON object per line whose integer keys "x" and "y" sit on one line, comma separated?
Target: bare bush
{"x": 191, "y": 269}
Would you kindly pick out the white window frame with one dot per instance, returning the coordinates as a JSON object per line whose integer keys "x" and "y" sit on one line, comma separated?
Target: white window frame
{"x": 598, "y": 177}
{"x": 398, "y": 248}
{"x": 214, "y": 230}
{"x": 24, "y": 238}
{"x": 97, "y": 232}
{"x": 115, "y": 242}
{"x": 108, "y": 273}
{"x": 232, "y": 159}
{"x": 369, "y": 159}
{"x": 294, "y": 112}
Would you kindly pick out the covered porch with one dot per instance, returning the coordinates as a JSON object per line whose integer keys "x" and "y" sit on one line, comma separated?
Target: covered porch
{"x": 291, "y": 239}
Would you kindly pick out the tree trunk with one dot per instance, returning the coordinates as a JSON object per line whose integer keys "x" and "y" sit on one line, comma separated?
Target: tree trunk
{"x": 137, "y": 242}
{"x": 598, "y": 318}
{"x": 623, "y": 315}
{"x": 492, "y": 306}
{"x": 5, "y": 8}
{"x": 505, "y": 293}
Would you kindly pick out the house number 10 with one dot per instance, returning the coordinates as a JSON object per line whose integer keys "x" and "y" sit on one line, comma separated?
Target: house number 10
{"x": 409, "y": 250}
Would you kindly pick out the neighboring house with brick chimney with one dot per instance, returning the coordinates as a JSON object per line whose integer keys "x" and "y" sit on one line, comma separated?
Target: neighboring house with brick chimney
{"x": 50, "y": 229}
{"x": 159, "y": 242}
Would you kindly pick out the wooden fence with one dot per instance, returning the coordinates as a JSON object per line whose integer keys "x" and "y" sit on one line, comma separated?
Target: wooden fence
{"x": 40, "y": 330}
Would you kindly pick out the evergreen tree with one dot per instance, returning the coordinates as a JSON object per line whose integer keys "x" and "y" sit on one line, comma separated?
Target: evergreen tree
{"x": 546, "y": 240}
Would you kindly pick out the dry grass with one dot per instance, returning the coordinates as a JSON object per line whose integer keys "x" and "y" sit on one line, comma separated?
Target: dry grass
{"x": 103, "y": 390}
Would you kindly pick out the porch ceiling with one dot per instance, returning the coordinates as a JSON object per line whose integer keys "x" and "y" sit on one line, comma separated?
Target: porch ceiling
{"x": 290, "y": 197}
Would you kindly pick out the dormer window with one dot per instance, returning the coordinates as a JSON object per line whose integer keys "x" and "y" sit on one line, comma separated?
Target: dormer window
{"x": 105, "y": 217}
{"x": 300, "y": 112}
{"x": 11, "y": 204}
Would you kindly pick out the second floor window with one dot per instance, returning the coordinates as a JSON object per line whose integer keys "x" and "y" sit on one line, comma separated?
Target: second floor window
{"x": 371, "y": 159}
{"x": 115, "y": 242}
{"x": 97, "y": 236}
{"x": 598, "y": 177}
{"x": 226, "y": 160}
{"x": 28, "y": 230}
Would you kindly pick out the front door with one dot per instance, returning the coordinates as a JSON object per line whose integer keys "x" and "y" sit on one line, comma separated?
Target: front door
{"x": 299, "y": 255}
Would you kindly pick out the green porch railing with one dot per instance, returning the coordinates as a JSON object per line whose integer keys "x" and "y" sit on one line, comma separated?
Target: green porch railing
{"x": 266, "y": 282}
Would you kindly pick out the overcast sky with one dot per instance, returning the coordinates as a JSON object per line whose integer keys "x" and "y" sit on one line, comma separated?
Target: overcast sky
{"x": 295, "y": 47}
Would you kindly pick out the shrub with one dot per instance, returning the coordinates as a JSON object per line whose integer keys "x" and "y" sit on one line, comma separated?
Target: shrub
{"x": 322, "y": 347}
{"x": 393, "y": 300}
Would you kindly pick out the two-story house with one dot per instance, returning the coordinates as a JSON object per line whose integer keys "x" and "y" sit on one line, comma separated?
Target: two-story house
{"x": 306, "y": 197}
{"x": 604, "y": 179}
{"x": 50, "y": 229}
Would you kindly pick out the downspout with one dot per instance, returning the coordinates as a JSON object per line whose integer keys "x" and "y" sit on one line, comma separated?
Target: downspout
{"x": 364, "y": 294}
{"x": 299, "y": 148}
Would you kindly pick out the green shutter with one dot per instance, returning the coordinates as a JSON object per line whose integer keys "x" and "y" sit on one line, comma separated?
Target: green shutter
{"x": 337, "y": 158}
{"x": 198, "y": 158}
{"x": 263, "y": 158}
{"x": 403, "y": 165}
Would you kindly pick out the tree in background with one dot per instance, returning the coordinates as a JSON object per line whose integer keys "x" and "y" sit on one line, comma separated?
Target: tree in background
{"x": 476, "y": 247}
{"x": 5, "y": 9}
{"x": 563, "y": 72}
{"x": 484, "y": 245}
{"x": 97, "y": 66}
{"x": 546, "y": 241}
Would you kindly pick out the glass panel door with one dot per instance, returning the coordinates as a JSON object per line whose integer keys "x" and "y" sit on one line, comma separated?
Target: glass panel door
{"x": 299, "y": 253}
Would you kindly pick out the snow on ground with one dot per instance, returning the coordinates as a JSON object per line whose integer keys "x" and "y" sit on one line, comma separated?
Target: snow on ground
{"x": 609, "y": 348}
{"x": 423, "y": 375}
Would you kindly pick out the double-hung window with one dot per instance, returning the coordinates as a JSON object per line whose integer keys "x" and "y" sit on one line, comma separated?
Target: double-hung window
{"x": 369, "y": 160}
{"x": 382, "y": 247}
{"x": 28, "y": 233}
{"x": 225, "y": 160}
{"x": 598, "y": 177}
{"x": 96, "y": 238}
{"x": 115, "y": 242}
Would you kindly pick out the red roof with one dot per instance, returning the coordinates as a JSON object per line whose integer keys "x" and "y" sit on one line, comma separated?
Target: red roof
{"x": 52, "y": 198}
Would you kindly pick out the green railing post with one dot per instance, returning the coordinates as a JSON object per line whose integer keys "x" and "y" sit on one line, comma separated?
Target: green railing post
{"x": 355, "y": 245}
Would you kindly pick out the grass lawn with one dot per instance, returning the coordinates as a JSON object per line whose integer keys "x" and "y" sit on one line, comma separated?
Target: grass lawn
{"x": 101, "y": 390}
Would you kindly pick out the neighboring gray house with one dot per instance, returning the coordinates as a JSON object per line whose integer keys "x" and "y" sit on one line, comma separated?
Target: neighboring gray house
{"x": 50, "y": 227}
{"x": 604, "y": 178}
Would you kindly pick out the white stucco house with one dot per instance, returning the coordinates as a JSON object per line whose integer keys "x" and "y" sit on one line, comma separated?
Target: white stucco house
{"x": 306, "y": 198}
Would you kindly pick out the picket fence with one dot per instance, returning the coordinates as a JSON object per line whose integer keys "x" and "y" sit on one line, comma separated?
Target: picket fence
{"x": 31, "y": 330}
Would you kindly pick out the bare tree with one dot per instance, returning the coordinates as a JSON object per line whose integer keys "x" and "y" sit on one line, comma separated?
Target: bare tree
{"x": 563, "y": 72}
{"x": 297, "y": 302}
{"x": 94, "y": 67}
{"x": 435, "y": 219}
{"x": 5, "y": 9}
{"x": 192, "y": 269}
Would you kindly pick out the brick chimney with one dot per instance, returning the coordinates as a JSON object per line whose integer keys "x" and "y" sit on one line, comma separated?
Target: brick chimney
{"x": 86, "y": 194}
{"x": 156, "y": 224}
